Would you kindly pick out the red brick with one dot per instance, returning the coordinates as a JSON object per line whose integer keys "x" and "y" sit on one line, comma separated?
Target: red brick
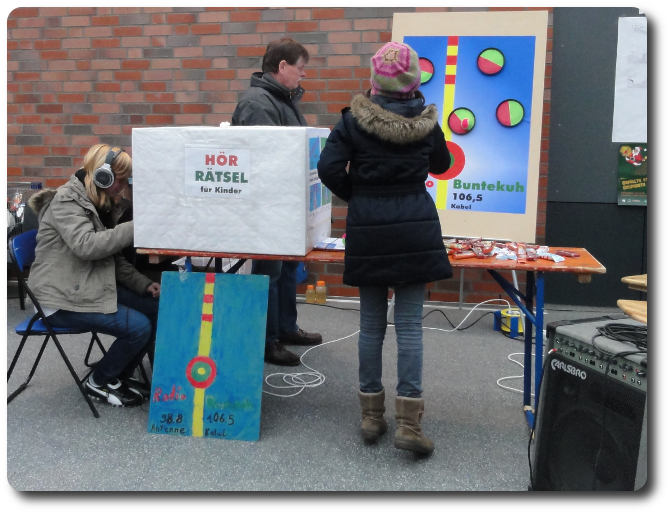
{"x": 220, "y": 74}
{"x": 128, "y": 75}
{"x": 85, "y": 119}
{"x": 97, "y": 21}
{"x": 127, "y": 31}
{"x": 75, "y": 21}
{"x": 327, "y": 73}
{"x": 110, "y": 87}
{"x": 24, "y": 12}
{"x": 48, "y": 44}
{"x": 327, "y": 14}
{"x": 342, "y": 291}
{"x": 206, "y": 29}
{"x": 371, "y": 24}
{"x": 332, "y": 25}
{"x": 197, "y": 63}
{"x": 175, "y": 18}
{"x": 153, "y": 86}
{"x": 250, "y": 51}
{"x": 166, "y": 109}
{"x": 344, "y": 60}
{"x": 302, "y": 26}
{"x": 159, "y": 119}
{"x": 271, "y": 26}
{"x": 197, "y": 108}
{"x": 189, "y": 119}
{"x": 71, "y": 98}
{"x": 19, "y": 98}
{"x": 106, "y": 43}
{"x": 136, "y": 64}
{"x": 213, "y": 17}
{"x": 159, "y": 97}
{"x": 339, "y": 85}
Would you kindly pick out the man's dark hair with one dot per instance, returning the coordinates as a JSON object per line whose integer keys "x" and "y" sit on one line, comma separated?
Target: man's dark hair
{"x": 284, "y": 49}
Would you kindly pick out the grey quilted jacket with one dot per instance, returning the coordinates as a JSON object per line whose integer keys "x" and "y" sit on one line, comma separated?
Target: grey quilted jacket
{"x": 77, "y": 260}
{"x": 267, "y": 102}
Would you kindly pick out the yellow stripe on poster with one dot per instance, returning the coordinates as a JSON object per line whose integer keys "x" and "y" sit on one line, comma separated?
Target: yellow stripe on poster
{"x": 198, "y": 412}
{"x": 205, "y": 338}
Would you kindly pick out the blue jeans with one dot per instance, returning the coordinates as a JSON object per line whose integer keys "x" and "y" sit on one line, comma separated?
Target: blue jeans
{"x": 133, "y": 325}
{"x": 409, "y": 335}
{"x": 282, "y": 311}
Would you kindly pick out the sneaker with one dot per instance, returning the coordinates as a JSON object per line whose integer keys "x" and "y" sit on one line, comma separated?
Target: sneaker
{"x": 115, "y": 393}
{"x": 301, "y": 338}
{"x": 140, "y": 387}
{"x": 277, "y": 354}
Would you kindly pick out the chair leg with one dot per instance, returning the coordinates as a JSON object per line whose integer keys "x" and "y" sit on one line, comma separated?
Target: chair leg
{"x": 144, "y": 373}
{"x": 74, "y": 375}
{"x": 16, "y": 356}
{"x": 32, "y": 371}
{"x": 22, "y": 300}
{"x": 94, "y": 339}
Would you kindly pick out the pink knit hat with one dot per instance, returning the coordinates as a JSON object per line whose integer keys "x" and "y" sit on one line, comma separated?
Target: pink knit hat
{"x": 394, "y": 71}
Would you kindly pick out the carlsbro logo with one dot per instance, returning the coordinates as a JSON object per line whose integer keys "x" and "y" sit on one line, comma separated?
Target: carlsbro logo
{"x": 568, "y": 369}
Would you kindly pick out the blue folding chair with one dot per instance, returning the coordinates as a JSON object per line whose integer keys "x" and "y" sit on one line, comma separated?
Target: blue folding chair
{"x": 22, "y": 254}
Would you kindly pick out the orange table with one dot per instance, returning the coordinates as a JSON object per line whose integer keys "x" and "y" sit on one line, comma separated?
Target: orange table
{"x": 582, "y": 267}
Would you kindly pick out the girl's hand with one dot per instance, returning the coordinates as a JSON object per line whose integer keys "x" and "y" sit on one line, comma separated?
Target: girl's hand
{"x": 155, "y": 289}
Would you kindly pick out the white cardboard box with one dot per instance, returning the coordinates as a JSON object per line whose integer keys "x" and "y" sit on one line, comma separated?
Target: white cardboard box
{"x": 230, "y": 189}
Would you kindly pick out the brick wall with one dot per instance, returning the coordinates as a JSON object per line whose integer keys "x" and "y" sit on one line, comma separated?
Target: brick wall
{"x": 77, "y": 76}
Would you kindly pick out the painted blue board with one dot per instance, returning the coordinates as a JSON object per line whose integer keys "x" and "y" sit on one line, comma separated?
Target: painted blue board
{"x": 213, "y": 389}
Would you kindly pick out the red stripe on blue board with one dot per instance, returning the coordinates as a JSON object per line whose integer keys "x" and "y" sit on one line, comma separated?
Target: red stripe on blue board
{"x": 207, "y": 317}
{"x": 209, "y": 298}
{"x": 452, "y": 59}
{"x": 450, "y": 79}
{"x": 209, "y": 278}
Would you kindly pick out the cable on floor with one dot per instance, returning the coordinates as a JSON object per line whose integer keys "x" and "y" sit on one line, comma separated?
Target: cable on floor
{"x": 315, "y": 378}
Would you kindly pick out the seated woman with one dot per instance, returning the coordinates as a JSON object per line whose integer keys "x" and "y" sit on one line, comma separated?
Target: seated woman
{"x": 81, "y": 279}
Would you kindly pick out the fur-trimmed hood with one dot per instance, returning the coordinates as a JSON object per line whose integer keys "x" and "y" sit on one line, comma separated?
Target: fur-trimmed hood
{"x": 389, "y": 126}
{"x": 41, "y": 199}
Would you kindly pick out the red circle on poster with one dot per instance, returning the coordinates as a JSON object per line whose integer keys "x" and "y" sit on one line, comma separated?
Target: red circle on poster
{"x": 201, "y": 372}
{"x": 430, "y": 183}
{"x": 457, "y": 162}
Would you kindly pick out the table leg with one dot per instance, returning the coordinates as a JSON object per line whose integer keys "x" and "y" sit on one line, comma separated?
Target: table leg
{"x": 539, "y": 332}
{"x": 528, "y": 346}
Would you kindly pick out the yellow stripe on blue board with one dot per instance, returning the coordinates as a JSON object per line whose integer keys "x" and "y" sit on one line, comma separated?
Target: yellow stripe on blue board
{"x": 198, "y": 412}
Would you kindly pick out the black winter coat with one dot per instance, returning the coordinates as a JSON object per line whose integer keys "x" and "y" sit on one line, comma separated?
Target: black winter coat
{"x": 393, "y": 234}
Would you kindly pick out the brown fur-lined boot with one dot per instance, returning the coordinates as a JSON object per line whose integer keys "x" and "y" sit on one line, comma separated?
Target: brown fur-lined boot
{"x": 374, "y": 424}
{"x": 409, "y": 435}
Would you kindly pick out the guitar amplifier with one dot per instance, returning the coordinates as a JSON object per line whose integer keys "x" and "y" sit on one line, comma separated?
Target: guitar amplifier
{"x": 591, "y": 422}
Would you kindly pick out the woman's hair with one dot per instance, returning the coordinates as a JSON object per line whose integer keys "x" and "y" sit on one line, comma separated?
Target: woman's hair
{"x": 122, "y": 167}
{"x": 284, "y": 49}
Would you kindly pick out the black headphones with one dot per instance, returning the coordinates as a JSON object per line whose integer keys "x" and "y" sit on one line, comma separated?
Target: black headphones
{"x": 103, "y": 177}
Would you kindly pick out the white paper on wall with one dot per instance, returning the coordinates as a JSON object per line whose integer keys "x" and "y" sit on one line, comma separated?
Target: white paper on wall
{"x": 276, "y": 212}
{"x": 630, "y": 84}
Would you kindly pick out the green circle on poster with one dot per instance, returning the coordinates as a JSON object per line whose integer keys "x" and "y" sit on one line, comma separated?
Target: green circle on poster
{"x": 427, "y": 69}
{"x": 491, "y": 61}
{"x": 461, "y": 120}
{"x": 510, "y": 113}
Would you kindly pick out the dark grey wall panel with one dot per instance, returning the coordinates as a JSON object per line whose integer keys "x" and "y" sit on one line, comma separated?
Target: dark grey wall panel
{"x": 614, "y": 235}
{"x": 582, "y": 157}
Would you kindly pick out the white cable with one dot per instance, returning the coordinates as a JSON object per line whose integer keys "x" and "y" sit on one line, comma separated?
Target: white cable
{"x": 509, "y": 357}
{"x": 316, "y": 378}
{"x": 294, "y": 379}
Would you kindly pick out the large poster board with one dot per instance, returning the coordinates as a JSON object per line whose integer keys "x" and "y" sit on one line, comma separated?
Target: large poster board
{"x": 208, "y": 365}
{"x": 485, "y": 73}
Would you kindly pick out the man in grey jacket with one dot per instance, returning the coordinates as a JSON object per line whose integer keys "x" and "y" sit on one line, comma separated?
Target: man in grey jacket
{"x": 273, "y": 100}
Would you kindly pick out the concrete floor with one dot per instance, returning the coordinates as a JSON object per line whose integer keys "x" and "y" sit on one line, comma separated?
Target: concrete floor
{"x": 308, "y": 442}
